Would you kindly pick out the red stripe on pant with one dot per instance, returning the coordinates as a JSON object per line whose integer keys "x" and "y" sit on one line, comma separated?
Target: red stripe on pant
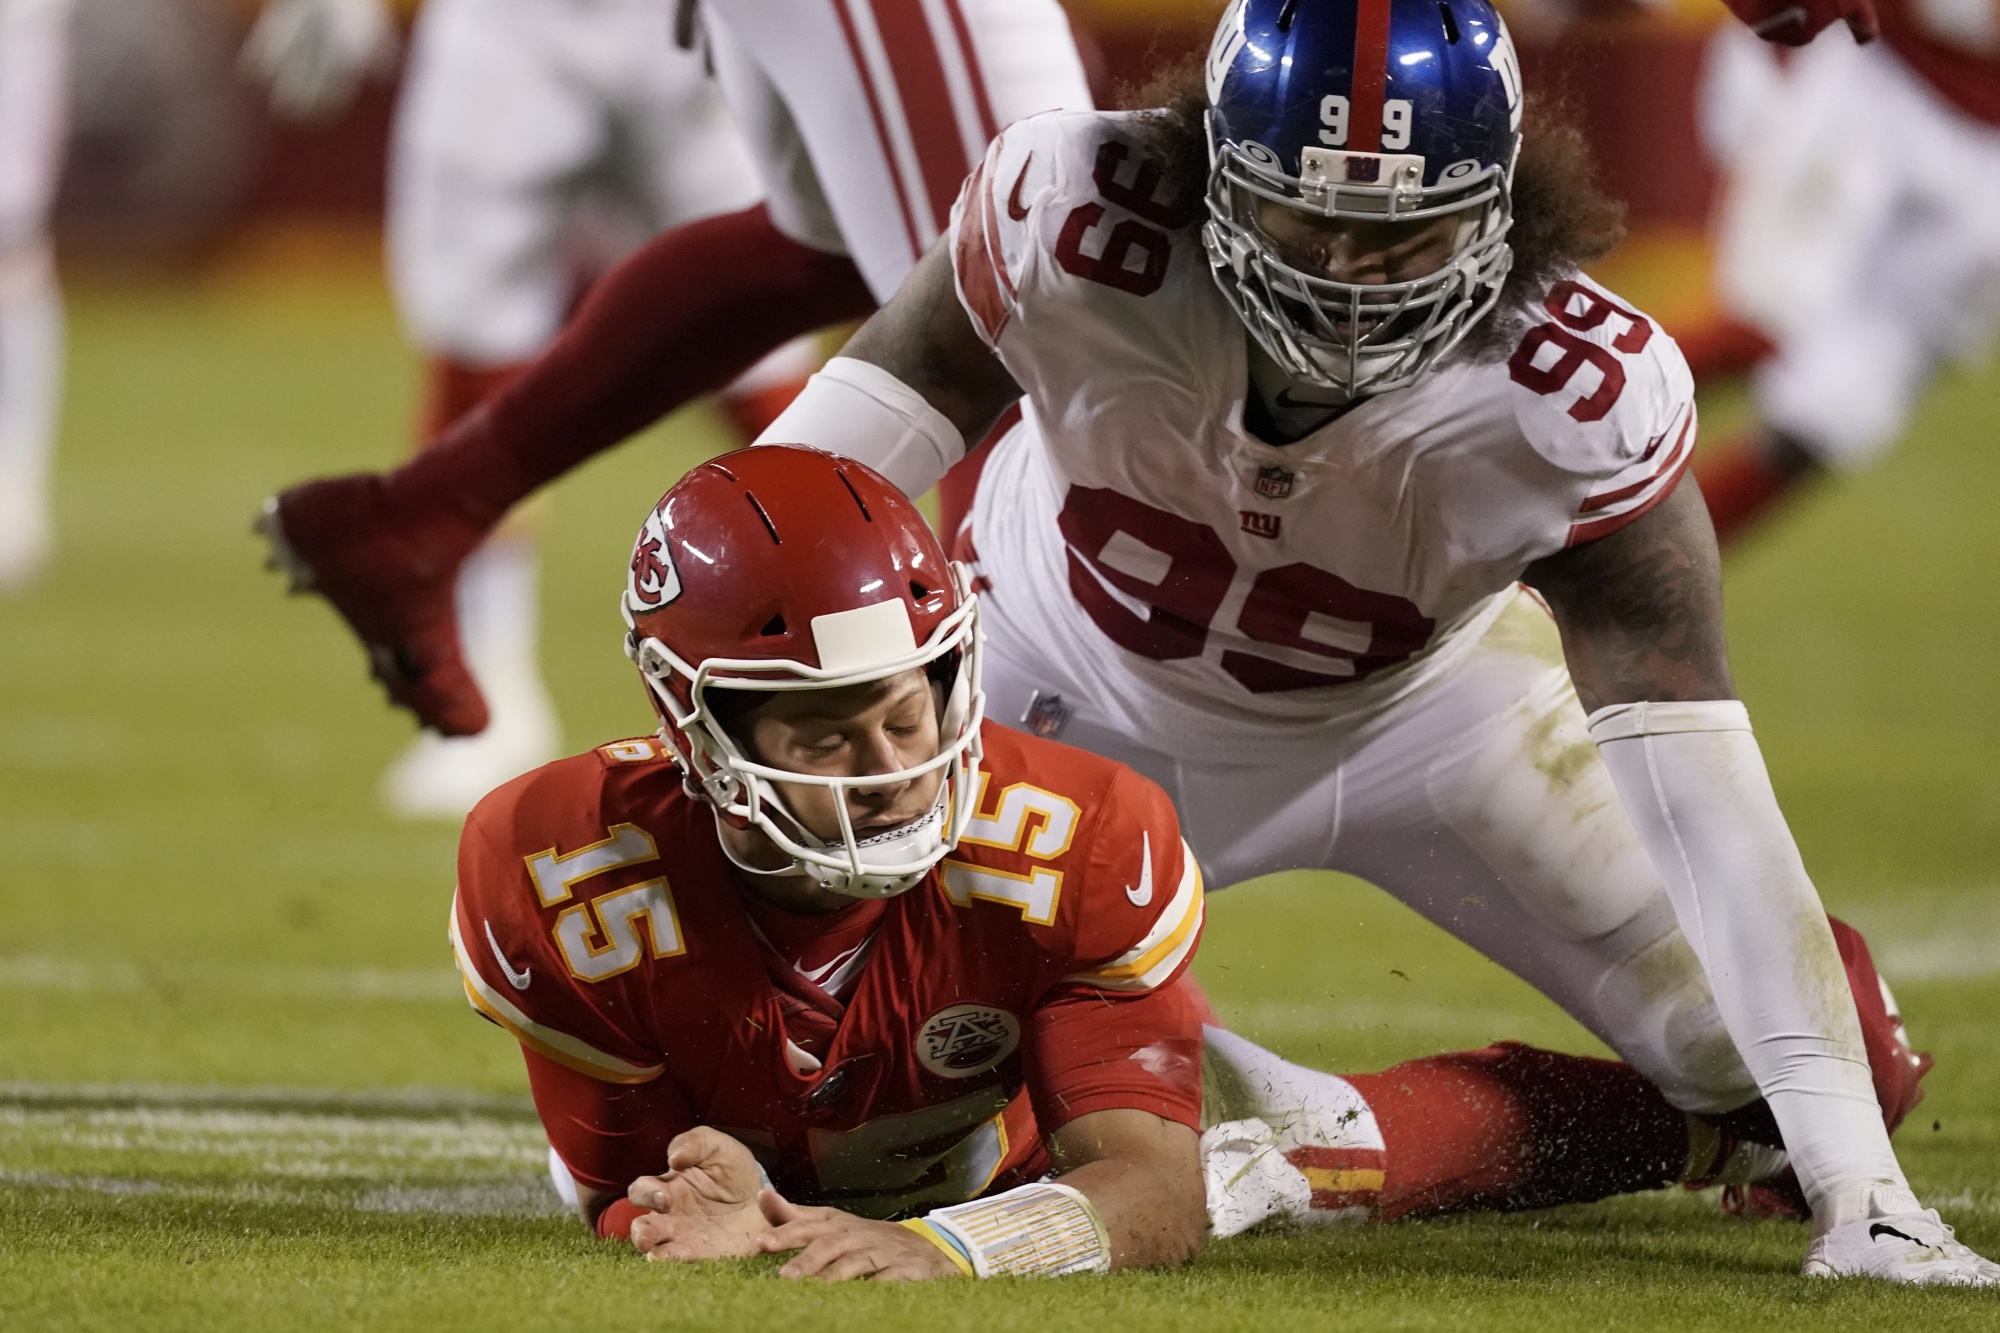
{"x": 928, "y": 113}
{"x": 969, "y": 53}
{"x": 1371, "y": 77}
{"x": 882, "y": 139}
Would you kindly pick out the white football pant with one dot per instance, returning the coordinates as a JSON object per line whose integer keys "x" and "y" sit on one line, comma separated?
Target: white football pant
{"x": 865, "y": 116}
{"x": 536, "y": 141}
{"x": 34, "y": 90}
{"x": 516, "y": 117}
{"x": 1479, "y": 802}
{"x": 1860, "y": 229}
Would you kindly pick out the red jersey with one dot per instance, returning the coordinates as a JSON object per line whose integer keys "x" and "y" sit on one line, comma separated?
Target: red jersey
{"x": 1965, "y": 71}
{"x": 1026, "y": 981}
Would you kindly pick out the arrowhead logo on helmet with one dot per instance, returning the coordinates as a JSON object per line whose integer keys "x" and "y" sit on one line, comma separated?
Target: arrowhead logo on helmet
{"x": 805, "y": 571}
{"x": 654, "y": 580}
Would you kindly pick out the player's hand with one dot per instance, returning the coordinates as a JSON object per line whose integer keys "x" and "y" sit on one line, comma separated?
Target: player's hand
{"x": 705, "y": 1206}
{"x": 837, "y": 1246}
{"x": 315, "y": 53}
{"x": 1796, "y": 22}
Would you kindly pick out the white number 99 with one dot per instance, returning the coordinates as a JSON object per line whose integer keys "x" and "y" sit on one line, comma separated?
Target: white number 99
{"x": 1333, "y": 115}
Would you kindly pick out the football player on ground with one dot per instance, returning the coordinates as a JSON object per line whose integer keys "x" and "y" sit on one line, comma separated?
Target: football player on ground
{"x": 1313, "y": 387}
{"x": 34, "y": 109}
{"x": 833, "y": 949}
{"x": 864, "y": 116}
{"x": 536, "y": 143}
{"x": 1857, "y": 233}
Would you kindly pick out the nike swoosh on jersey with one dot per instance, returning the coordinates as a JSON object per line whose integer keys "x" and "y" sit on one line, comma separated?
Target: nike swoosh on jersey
{"x": 518, "y": 980}
{"x": 1015, "y": 208}
{"x": 1143, "y": 894}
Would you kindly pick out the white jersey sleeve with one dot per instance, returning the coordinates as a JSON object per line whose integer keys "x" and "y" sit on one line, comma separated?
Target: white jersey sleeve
{"x": 1605, "y": 397}
{"x": 1064, "y": 207}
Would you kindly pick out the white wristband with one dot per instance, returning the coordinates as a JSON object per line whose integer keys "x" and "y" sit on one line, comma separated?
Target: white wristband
{"x": 1042, "y": 1230}
{"x": 858, "y": 410}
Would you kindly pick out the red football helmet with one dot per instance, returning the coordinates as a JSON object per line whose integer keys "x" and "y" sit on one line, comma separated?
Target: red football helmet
{"x": 784, "y": 568}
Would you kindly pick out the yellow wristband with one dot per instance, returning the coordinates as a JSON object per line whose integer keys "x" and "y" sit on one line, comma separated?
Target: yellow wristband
{"x": 938, "y": 1238}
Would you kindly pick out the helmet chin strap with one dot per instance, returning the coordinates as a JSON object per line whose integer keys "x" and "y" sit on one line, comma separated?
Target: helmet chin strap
{"x": 903, "y": 839}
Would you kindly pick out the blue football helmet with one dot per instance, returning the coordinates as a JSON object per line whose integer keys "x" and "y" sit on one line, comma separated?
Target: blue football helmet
{"x": 1376, "y": 111}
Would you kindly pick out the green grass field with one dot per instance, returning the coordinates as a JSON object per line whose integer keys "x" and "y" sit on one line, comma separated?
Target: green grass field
{"x": 238, "y": 1090}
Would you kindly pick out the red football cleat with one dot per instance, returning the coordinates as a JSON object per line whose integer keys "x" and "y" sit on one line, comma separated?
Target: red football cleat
{"x": 393, "y": 579}
{"x": 1898, "y": 1069}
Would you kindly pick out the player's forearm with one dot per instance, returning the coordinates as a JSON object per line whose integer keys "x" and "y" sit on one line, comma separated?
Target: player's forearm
{"x": 1143, "y": 1176}
{"x": 1641, "y": 619}
{"x": 1154, "y": 1217}
{"x": 1693, "y": 780}
{"x": 925, "y": 339}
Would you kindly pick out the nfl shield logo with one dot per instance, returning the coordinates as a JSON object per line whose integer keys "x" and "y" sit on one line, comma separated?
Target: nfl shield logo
{"x": 1047, "y": 715}
{"x": 1274, "y": 483}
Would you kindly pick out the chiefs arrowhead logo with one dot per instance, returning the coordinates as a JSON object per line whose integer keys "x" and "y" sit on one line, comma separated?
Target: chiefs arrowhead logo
{"x": 967, "y": 1039}
{"x": 654, "y": 581}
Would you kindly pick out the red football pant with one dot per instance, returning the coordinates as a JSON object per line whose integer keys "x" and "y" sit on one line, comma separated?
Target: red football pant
{"x": 688, "y": 312}
{"x": 1513, "y": 1127}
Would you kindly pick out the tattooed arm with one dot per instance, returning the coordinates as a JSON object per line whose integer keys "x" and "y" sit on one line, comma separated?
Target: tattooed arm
{"x": 912, "y": 389}
{"x": 1641, "y": 610}
{"x": 1641, "y": 619}
{"x": 925, "y": 339}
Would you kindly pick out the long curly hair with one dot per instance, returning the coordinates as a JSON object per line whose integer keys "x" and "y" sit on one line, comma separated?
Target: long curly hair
{"x": 1562, "y": 217}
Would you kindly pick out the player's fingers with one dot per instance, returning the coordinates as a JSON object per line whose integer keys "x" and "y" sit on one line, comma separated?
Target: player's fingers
{"x": 858, "y": 1263}
{"x": 822, "y": 1254}
{"x": 795, "y": 1235}
{"x": 648, "y": 1192}
{"x": 691, "y": 1148}
{"x": 650, "y": 1232}
{"x": 778, "y": 1210}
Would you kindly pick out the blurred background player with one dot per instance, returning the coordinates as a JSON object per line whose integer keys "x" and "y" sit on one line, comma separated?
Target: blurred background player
{"x": 536, "y": 142}
{"x": 1859, "y": 235}
{"x": 34, "y": 89}
{"x": 864, "y": 119}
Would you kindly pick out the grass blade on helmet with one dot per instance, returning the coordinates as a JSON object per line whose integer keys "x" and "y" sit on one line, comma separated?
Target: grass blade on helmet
{"x": 782, "y": 569}
{"x": 1361, "y": 154}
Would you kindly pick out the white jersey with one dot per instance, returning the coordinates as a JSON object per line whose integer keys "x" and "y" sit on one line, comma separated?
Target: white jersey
{"x": 1213, "y": 584}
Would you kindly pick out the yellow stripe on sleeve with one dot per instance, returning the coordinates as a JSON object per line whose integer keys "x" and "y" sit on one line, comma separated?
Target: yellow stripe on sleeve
{"x": 1154, "y": 958}
{"x": 565, "y": 1050}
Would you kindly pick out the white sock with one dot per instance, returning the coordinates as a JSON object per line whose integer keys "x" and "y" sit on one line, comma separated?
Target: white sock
{"x": 31, "y": 362}
{"x": 499, "y": 623}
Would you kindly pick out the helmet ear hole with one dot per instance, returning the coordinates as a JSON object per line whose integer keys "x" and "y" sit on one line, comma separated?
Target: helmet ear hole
{"x": 774, "y": 627}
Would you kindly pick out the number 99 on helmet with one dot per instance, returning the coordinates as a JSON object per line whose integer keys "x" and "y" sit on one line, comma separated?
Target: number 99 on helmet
{"x": 1379, "y": 118}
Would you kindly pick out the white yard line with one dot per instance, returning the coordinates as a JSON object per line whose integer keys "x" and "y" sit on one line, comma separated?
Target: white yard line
{"x": 414, "y": 1151}
{"x": 433, "y": 1102}
{"x": 367, "y": 983}
{"x": 526, "y": 1196}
